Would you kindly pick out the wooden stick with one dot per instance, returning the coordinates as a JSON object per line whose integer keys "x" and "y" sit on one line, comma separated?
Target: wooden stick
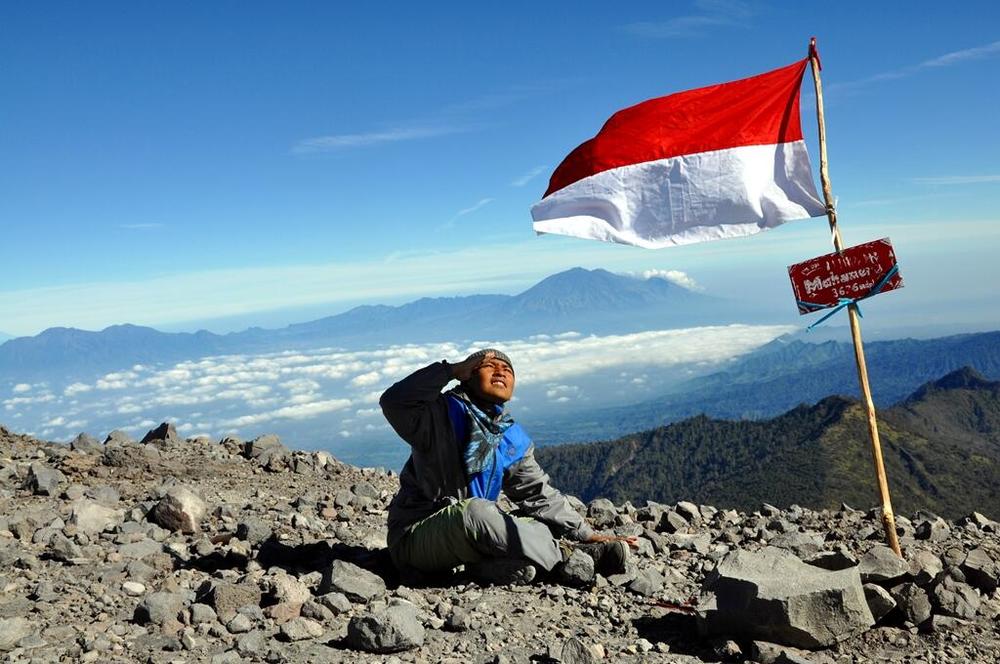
{"x": 888, "y": 519}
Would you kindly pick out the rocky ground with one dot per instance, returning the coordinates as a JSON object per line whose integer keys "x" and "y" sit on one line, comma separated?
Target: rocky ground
{"x": 172, "y": 550}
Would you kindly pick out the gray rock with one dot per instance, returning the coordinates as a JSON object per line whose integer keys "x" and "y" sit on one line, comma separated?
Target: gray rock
{"x": 803, "y": 545}
{"x": 690, "y": 512}
{"x": 118, "y": 437}
{"x": 316, "y": 611}
{"x": 165, "y": 433}
{"x": 458, "y": 620}
{"x": 602, "y": 513}
{"x": 924, "y": 566}
{"x": 251, "y": 644}
{"x": 285, "y": 588}
{"x": 672, "y": 522}
{"x": 42, "y": 480}
{"x": 92, "y": 518}
{"x": 268, "y": 451}
{"x": 771, "y": 595}
{"x": 393, "y": 629}
{"x": 130, "y": 455}
{"x": 981, "y": 570}
{"x": 86, "y": 443}
{"x": 880, "y": 602}
{"x": 159, "y": 607}
{"x": 951, "y": 598}
{"x": 934, "y": 529}
{"x": 833, "y": 560}
{"x": 253, "y": 530}
{"x": 180, "y": 509}
{"x": 358, "y": 584}
{"x": 336, "y": 602}
{"x": 63, "y": 549}
{"x": 913, "y": 602}
{"x": 300, "y": 629}
{"x": 578, "y": 570}
{"x": 13, "y": 630}
{"x": 202, "y": 613}
{"x": 575, "y": 652}
{"x": 881, "y": 564}
{"x": 240, "y": 624}
{"x": 939, "y": 623}
{"x": 647, "y": 582}
{"x": 226, "y": 598}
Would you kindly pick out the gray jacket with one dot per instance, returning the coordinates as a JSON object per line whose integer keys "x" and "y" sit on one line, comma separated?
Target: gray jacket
{"x": 434, "y": 475}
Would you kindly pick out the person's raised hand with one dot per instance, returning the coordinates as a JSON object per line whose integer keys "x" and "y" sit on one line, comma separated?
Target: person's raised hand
{"x": 463, "y": 370}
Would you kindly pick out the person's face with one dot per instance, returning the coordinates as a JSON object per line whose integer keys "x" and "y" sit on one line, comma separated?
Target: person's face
{"x": 493, "y": 381}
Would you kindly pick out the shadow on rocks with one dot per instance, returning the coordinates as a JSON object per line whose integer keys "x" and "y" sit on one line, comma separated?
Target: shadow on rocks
{"x": 301, "y": 559}
{"x": 680, "y": 632}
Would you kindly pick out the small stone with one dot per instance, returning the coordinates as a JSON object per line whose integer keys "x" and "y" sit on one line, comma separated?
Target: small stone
{"x": 335, "y": 602}
{"x": 458, "y": 620}
{"x": 578, "y": 570}
{"x": 574, "y": 651}
{"x": 240, "y": 624}
{"x": 602, "y": 513}
{"x": 981, "y": 570}
{"x": 935, "y": 529}
{"x": 913, "y": 602}
{"x": 924, "y": 567}
{"x": 226, "y": 598}
{"x": 159, "y": 607}
{"x": 647, "y": 582}
{"x": 180, "y": 509}
{"x": 356, "y": 583}
{"x": 299, "y": 629}
{"x": 202, "y": 613}
{"x": 133, "y": 588}
{"x": 92, "y": 518}
{"x": 253, "y": 531}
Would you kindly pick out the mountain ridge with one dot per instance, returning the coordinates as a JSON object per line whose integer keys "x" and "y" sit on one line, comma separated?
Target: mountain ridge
{"x": 939, "y": 456}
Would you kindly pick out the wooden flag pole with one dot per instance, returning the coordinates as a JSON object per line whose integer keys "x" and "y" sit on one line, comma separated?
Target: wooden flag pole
{"x": 888, "y": 519}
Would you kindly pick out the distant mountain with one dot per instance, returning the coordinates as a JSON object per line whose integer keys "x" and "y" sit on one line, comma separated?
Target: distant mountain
{"x": 783, "y": 374}
{"x": 73, "y": 352}
{"x": 585, "y": 301}
{"x": 941, "y": 447}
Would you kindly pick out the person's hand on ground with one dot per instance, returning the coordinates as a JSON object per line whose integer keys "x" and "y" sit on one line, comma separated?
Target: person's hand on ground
{"x": 463, "y": 370}
{"x": 632, "y": 541}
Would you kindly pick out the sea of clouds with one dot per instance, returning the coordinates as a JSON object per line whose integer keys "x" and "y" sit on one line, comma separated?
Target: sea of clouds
{"x": 327, "y": 396}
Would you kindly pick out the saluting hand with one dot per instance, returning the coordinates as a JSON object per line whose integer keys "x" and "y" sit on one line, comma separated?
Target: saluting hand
{"x": 463, "y": 370}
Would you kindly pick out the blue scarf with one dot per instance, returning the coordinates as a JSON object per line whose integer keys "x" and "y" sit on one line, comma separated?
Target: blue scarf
{"x": 485, "y": 434}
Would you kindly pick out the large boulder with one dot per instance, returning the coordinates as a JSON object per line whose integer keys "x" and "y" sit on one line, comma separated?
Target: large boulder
{"x": 268, "y": 451}
{"x": 165, "y": 434}
{"x": 180, "y": 509}
{"x": 42, "y": 480}
{"x": 92, "y": 518}
{"x": 771, "y": 595}
{"x": 392, "y": 629}
{"x": 86, "y": 443}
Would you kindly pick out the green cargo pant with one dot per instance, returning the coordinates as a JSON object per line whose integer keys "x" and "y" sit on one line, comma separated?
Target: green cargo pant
{"x": 471, "y": 531}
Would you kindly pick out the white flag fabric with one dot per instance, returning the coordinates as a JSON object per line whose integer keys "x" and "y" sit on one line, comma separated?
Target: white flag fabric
{"x": 723, "y": 161}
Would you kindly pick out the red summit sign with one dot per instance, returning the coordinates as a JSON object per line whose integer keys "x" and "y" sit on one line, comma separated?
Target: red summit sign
{"x": 841, "y": 278}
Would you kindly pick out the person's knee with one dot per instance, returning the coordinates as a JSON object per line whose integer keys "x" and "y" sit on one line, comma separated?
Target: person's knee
{"x": 481, "y": 516}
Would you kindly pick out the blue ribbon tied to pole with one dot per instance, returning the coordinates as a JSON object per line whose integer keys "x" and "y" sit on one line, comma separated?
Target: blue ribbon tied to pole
{"x": 848, "y": 301}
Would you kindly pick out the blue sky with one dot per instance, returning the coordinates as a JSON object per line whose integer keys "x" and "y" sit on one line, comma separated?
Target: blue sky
{"x": 168, "y": 164}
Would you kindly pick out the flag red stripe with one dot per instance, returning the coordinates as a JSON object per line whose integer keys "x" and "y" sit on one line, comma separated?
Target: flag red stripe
{"x": 760, "y": 110}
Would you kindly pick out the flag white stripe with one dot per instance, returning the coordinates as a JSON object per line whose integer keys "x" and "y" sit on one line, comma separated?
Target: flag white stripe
{"x": 686, "y": 199}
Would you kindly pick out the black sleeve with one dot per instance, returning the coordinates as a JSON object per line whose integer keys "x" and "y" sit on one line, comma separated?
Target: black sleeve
{"x": 414, "y": 404}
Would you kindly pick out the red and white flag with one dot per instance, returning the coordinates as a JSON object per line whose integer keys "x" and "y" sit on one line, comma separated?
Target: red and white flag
{"x": 717, "y": 162}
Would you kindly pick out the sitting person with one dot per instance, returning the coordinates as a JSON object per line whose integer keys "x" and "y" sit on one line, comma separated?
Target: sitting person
{"x": 465, "y": 449}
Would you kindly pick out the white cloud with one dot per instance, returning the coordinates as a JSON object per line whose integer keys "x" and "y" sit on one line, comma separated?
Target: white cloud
{"x": 146, "y": 226}
{"x": 55, "y": 422}
{"x": 366, "y": 379}
{"x": 21, "y": 388}
{"x": 76, "y": 388}
{"x": 524, "y": 179}
{"x": 711, "y": 14}
{"x": 946, "y": 60}
{"x": 337, "y": 142}
{"x": 674, "y": 276}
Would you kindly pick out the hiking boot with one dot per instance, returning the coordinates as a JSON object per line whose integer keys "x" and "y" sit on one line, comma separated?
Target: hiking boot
{"x": 609, "y": 557}
{"x": 503, "y": 571}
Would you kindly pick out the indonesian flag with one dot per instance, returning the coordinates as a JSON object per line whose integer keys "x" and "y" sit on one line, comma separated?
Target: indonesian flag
{"x": 717, "y": 162}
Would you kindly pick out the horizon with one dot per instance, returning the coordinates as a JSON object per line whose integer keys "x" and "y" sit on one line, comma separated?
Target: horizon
{"x": 217, "y": 174}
